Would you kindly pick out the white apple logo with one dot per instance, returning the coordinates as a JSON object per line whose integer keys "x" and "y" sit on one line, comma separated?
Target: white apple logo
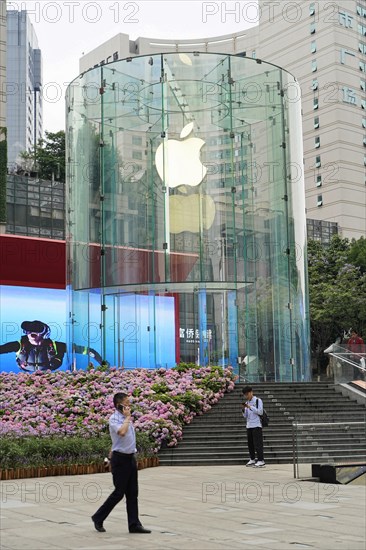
{"x": 191, "y": 213}
{"x": 178, "y": 162}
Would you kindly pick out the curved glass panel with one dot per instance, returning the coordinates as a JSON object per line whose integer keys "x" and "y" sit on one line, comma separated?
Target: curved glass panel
{"x": 186, "y": 222}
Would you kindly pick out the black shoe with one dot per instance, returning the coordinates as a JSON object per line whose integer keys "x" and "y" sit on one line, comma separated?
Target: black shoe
{"x": 99, "y": 526}
{"x": 138, "y": 529}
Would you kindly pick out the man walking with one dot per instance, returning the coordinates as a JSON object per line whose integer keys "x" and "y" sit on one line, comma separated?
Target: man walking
{"x": 252, "y": 410}
{"x": 123, "y": 466}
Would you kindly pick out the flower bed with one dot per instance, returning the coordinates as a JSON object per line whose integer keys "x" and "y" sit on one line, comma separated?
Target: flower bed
{"x": 62, "y": 416}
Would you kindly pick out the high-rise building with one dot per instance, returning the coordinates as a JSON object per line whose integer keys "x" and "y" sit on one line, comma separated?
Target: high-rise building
{"x": 35, "y": 207}
{"x": 2, "y": 62}
{"x": 23, "y": 89}
{"x": 324, "y": 46}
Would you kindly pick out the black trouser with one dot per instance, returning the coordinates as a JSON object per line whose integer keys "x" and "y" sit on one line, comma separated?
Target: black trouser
{"x": 255, "y": 443}
{"x": 124, "y": 472}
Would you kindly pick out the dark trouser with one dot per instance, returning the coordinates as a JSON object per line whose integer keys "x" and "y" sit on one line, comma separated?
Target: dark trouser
{"x": 356, "y": 374}
{"x": 255, "y": 443}
{"x": 124, "y": 472}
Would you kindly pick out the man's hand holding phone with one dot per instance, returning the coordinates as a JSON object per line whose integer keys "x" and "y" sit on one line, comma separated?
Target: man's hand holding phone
{"x": 126, "y": 410}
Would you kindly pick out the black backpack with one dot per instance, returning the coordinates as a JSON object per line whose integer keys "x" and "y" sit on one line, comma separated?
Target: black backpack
{"x": 264, "y": 417}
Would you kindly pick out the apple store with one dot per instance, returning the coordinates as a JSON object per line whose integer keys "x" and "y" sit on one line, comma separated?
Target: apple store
{"x": 186, "y": 229}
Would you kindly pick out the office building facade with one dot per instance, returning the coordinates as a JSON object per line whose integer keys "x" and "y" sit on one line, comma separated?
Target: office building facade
{"x": 2, "y": 63}
{"x": 23, "y": 86}
{"x": 35, "y": 207}
{"x": 324, "y": 46}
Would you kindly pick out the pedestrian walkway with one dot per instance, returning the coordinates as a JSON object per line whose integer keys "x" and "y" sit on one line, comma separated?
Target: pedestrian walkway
{"x": 189, "y": 508}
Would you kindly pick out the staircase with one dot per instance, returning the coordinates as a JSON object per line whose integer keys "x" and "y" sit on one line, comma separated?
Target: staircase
{"x": 219, "y": 436}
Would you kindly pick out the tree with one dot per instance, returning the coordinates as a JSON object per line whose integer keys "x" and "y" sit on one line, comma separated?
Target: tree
{"x": 48, "y": 157}
{"x": 357, "y": 253}
{"x": 337, "y": 289}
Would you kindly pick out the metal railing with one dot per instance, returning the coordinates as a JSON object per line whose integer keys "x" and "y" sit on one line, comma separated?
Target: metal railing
{"x": 345, "y": 365}
{"x": 309, "y": 444}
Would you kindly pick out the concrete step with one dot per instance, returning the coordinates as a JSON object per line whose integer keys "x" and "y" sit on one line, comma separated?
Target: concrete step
{"x": 228, "y": 444}
{"x": 219, "y": 436}
{"x": 235, "y": 460}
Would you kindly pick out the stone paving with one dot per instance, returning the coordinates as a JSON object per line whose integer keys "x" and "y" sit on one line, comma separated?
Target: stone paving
{"x": 189, "y": 508}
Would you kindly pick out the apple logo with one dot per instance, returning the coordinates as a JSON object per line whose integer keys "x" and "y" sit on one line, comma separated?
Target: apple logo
{"x": 178, "y": 162}
{"x": 191, "y": 212}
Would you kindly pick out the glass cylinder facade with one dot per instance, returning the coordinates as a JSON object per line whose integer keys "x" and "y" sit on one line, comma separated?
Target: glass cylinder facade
{"x": 186, "y": 215}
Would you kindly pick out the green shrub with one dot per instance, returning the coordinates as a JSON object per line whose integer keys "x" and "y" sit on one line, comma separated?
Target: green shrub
{"x": 183, "y": 367}
{"x": 49, "y": 451}
{"x": 159, "y": 387}
{"x": 144, "y": 445}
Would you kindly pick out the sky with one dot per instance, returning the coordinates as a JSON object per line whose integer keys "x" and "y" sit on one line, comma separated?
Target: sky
{"x": 68, "y": 28}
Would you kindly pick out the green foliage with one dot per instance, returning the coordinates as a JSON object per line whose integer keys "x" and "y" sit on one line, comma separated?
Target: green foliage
{"x": 357, "y": 253}
{"x": 183, "y": 367}
{"x": 163, "y": 397}
{"x": 48, "y": 157}
{"x": 211, "y": 380}
{"x": 337, "y": 289}
{"x": 190, "y": 400}
{"x": 104, "y": 367}
{"x": 50, "y": 451}
{"x": 3, "y": 172}
{"x": 159, "y": 387}
{"x": 144, "y": 445}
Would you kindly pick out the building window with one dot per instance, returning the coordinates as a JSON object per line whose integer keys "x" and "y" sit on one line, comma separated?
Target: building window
{"x": 312, "y": 9}
{"x": 314, "y": 66}
{"x": 313, "y": 46}
{"x": 361, "y": 11}
{"x": 362, "y": 66}
{"x": 317, "y": 142}
{"x": 319, "y": 181}
{"x": 315, "y": 103}
{"x": 363, "y": 85}
{"x": 343, "y": 53}
{"x": 321, "y": 230}
{"x": 363, "y": 104}
{"x": 137, "y": 155}
{"x": 361, "y": 30}
{"x": 320, "y": 200}
{"x": 364, "y": 123}
{"x": 364, "y": 160}
{"x": 254, "y": 55}
{"x": 312, "y": 28}
{"x": 318, "y": 162}
{"x": 364, "y": 141}
{"x": 316, "y": 122}
{"x": 362, "y": 47}
{"x": 136, "y": 140}
{"x": 314, "y": 84}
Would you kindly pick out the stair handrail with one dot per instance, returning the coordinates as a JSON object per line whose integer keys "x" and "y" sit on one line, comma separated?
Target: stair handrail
{"x": 329, "y": 423}
{"x": 339, "y": 352}
{"x": 296, "y": 424}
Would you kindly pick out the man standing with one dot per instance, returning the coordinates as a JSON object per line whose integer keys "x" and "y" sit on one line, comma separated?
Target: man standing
{"x": 356, "y": 346}
{"x": 252, "y": 409}
{"x": 123, "y": 466}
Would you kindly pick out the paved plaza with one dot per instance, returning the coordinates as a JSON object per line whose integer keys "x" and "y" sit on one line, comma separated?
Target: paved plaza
{"x": 215, "y": 507}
